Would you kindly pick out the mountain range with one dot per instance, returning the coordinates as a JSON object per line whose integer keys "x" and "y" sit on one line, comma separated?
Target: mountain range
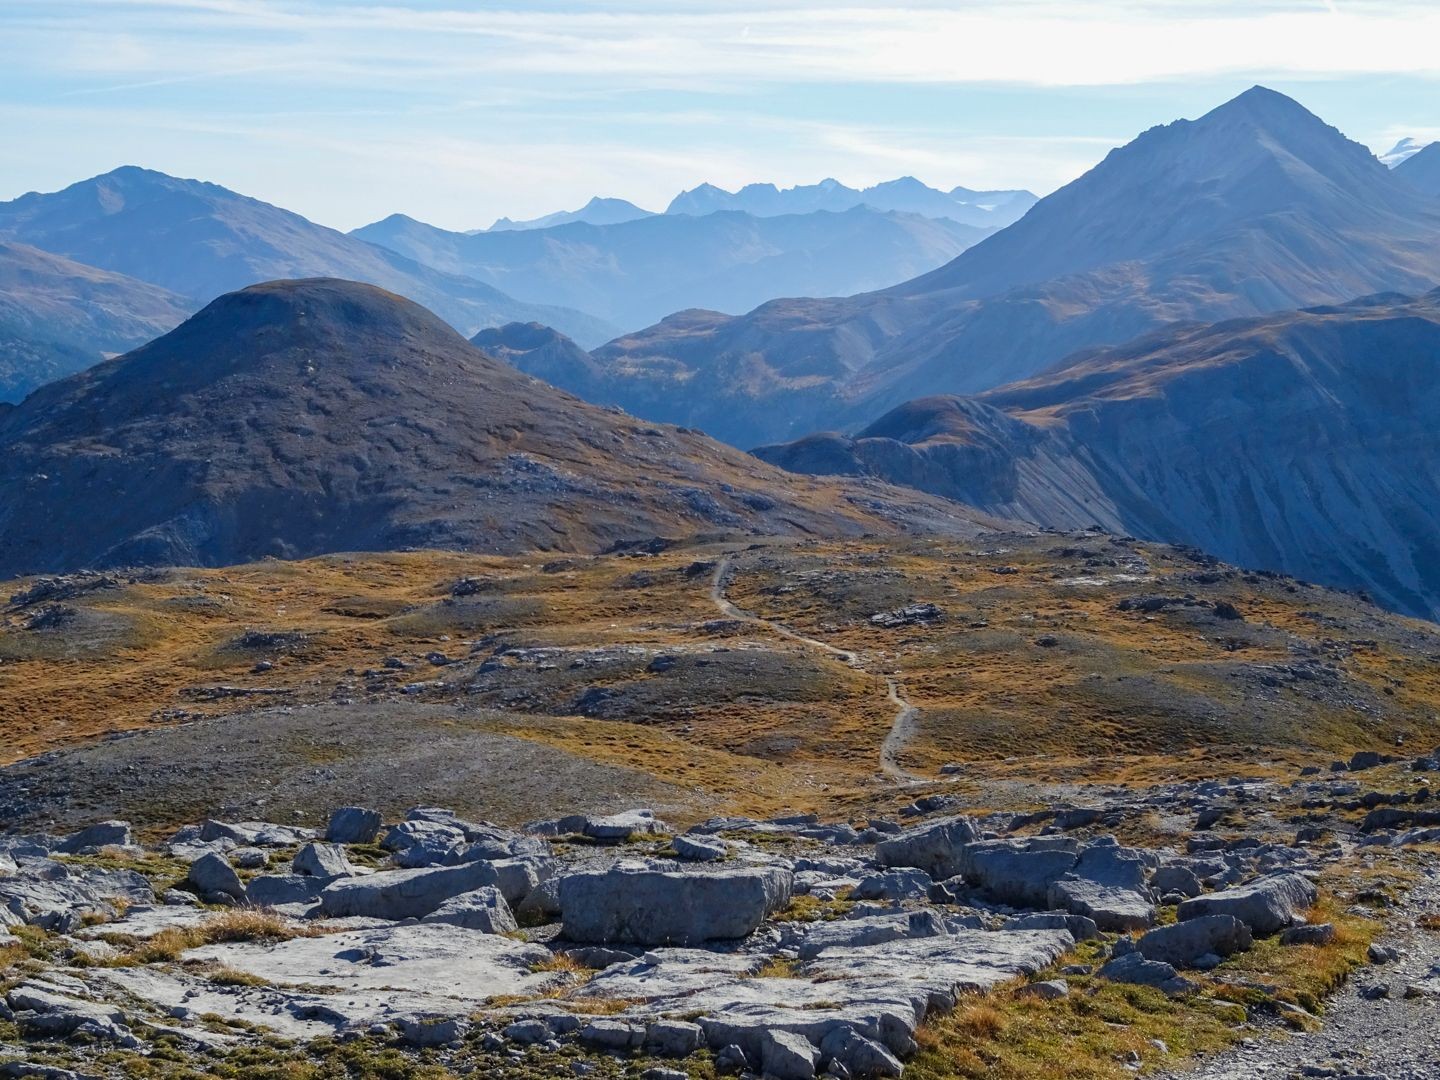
{"x": 635, "y": 272}
{"x": 200, "y": 240}
{"x": 1257, "y": 206}
{"x": 986, "y": 209}
{"x": 301, "y": 417}
{"x": 1302, "y": 442}
{"x": 990, "y": 209}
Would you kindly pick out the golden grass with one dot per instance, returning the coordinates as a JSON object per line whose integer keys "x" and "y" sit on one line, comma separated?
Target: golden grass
{"x": 237, "y": 925}
{"x": 1153, "y": 688}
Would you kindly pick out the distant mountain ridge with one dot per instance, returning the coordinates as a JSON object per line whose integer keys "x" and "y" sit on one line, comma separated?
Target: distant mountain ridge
{"x": 598, "y": 211}
{"x": 1401, "y": 152}
{"x": 1303, "y": 442}
{"x": 58, "y": 316}
{"x": 201, "y": 240}
{"x": 300, "y": 417}
{"x": 906, "y": 195}
{"x": 1256, "y": 206}
{"x": 635, "y": 272}
{"x": 1421, "y": 170}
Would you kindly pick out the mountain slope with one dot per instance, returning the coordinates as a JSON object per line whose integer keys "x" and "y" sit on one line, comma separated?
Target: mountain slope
{"x": 990, "y": 209}
{"x": 597, "y": 211}
{"x": 201, "y": 240}
{"x": 1257, "y": 206}
{"x": 1421, "y": 170}
{"x": 635, "y": 272}
{"x": 58, "y": 316}
{"x": 1303, "y": 442}
{"x": 295, "y": 418}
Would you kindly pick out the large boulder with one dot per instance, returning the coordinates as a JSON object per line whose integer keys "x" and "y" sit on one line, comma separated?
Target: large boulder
{"x": 484, "y": 910}
{"x": 1186, "y": 942}
{"x": 253, "y": 833}
{"x": 614, "y": 828}
{"x": 787, "y": 1055}
{"x": 103, "y": 834}
{"x": 420, "y": 843}
{"x": 1135, "y": 968}
{"x": 274, "y": 890}
{"x": 661, "y": 907}
{"x": 1265, "y": 905}
{"x": 1016, "y": 874}
{"x": 935, "y": 848}
{"x": 1176, "y": 878}
{"x": 353, "y": 825}
{"x": 318, "y": 860}
{"x": 404, "y": 894}
{"x": 876, "y": 930}
{"x": 212, "y": 874}
{"x": 1107, "y": 884}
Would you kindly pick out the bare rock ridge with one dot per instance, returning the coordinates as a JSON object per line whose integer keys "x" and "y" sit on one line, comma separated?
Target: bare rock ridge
{"x": 1257, "y": 206}
{"x": 1302, "y": 442}
{"x": 201, "y": 240}
{"x": 296, "y": 418}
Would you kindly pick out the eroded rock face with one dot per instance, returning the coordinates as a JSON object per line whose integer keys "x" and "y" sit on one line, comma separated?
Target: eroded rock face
{"x": 420, "y": 950}
{"x": 654, "y": 907}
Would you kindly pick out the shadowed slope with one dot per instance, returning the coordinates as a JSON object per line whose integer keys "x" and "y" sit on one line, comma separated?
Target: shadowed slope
{"x": 1302, "y": 442}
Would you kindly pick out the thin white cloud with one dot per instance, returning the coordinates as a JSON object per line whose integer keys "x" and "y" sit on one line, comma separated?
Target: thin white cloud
{"x": 1034, "y": 43}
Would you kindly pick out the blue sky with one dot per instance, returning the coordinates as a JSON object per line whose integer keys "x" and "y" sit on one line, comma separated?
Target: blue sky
{"x": 457, "y": 113}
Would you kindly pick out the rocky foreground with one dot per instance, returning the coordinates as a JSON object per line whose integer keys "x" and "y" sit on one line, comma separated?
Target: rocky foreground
{"x": 791, "y": 948}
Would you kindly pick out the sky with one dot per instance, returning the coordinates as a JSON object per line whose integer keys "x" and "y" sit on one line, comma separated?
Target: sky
{"x": 458, "y": 113}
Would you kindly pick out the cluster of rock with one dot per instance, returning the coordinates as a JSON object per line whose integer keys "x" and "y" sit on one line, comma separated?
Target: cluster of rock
{"x": 693, "y": 940}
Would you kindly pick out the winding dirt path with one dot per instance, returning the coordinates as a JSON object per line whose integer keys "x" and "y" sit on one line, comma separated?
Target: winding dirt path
{"x": 906, "y": 714}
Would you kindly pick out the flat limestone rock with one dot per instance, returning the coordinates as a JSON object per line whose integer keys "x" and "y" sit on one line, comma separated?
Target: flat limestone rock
{"x": 967, "y": 961}
{"x": 144, "y": 922}
{"x": 668, "y": 974}
{"x": 427, "y": 957}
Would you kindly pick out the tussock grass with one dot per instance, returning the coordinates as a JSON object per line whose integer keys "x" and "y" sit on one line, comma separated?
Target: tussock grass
{"x": 562, "y": 962}
{"x": 807, "y": 908}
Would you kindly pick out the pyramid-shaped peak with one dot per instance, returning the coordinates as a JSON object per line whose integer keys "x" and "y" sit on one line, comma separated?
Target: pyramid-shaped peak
{"x": 1261, "y": 104}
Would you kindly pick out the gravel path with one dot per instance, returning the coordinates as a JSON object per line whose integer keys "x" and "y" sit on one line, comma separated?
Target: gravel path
{"x": 1395, "y": 1037}
{"x": 901, "y": 731}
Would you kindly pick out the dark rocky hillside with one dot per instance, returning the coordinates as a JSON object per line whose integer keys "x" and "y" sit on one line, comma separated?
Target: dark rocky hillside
{"x": 301, "y": 417}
